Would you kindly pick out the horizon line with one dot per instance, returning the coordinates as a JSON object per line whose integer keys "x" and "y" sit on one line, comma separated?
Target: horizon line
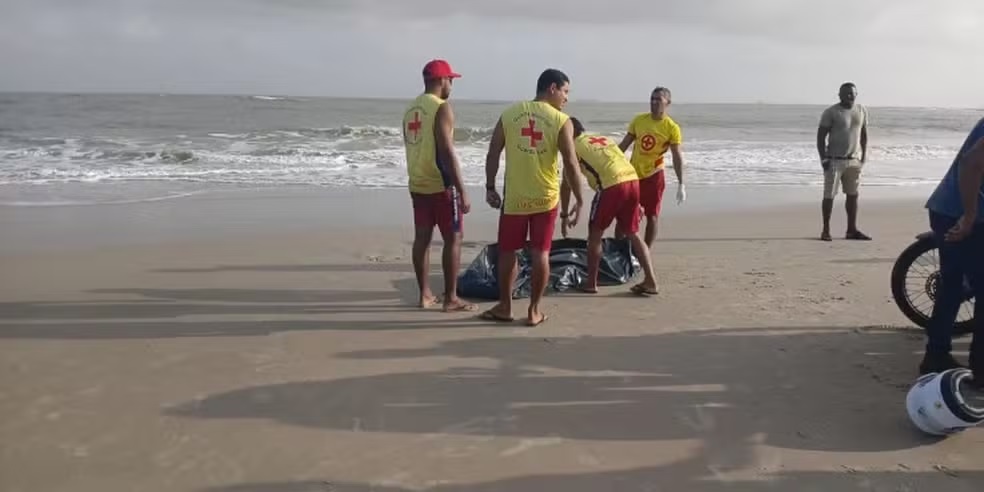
{"x": 474, "y": 100}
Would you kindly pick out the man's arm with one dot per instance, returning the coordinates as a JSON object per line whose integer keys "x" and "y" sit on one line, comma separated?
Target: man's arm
{"x": 572, "y": 172}
{"x": 676, "y": 142}
{"x": 630, "y": 136}
{"x": 565, "y": 191}
{"x": 626, "y": 141}
{"x": 677, "y": 161}
{"x": 444, "y": 130}
{"x": 864, "y": 138}
{"x": 565, "y": 197}
{"x": 970, "y": 178}
{"x": 822, "y": 132}
{"x": 496, "y": 145}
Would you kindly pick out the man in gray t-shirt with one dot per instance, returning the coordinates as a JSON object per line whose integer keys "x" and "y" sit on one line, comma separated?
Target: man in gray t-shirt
{"x": 842, "y": 142}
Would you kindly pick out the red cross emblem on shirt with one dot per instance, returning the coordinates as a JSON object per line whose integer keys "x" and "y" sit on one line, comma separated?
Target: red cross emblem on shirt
{"x": 648, "y": 142}
{"x": 598, "y": 141}
{"x": 529, "y": 131}
{"x": 414, "y": 126}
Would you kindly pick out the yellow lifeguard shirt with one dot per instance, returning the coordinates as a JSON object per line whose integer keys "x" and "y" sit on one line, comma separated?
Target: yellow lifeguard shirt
{"x": 532, "y": 181}
{"x": 603, "y": 163}
{"x": 652, "y": 139}
{"x": 423, "y": 172}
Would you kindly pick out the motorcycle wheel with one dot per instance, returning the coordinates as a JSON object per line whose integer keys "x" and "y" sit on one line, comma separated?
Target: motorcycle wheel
{"x": 915, "y": 279}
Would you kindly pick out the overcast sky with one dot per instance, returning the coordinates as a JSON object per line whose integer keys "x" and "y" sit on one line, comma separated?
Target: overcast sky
{"x": 899, "y": 52}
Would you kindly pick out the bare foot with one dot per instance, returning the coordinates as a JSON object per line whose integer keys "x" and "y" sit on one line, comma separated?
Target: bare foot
{"x": 587, "y": 289}
{"x": 457, "y": 305}
{"x": 536, "y": 318}
{"x": 645, "y": 289}
{"x": 428, "y": 301}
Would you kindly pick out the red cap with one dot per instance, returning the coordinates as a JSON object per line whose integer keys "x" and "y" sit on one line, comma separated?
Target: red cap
{"x": 436, "y": 69}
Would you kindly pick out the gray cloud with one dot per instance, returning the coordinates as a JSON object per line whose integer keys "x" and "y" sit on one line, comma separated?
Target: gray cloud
{"x": 899, "y": 51}
{"x": 830, "y": 21}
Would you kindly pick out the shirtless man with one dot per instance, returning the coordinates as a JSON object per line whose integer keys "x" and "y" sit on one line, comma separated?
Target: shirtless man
{"x": 531, "y": 133}
{"x": 651, "y": 134}
{"x": 434, "y": 179}
{"x": 616, "y": 186}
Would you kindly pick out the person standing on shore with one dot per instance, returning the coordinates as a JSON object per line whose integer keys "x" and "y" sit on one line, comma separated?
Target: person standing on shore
{"x": 842, "y": 142}
{"x": 616, "y": 185}
{"x": 434, "y": 178}
{"x": 651, "y": 134}
{"x": 956, "y": 216}
{"x": 531, "y": 133}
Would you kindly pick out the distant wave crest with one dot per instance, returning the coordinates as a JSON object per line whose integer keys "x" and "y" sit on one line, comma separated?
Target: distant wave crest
{"x": 346, "y": 132}
{"x": 370, "y": 155}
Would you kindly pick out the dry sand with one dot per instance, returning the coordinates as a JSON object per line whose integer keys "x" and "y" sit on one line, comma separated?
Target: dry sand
{"x": 291, "y": 361}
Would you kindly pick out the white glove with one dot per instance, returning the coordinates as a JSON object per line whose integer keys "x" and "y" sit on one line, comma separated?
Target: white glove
{"x": 681, "y": 193}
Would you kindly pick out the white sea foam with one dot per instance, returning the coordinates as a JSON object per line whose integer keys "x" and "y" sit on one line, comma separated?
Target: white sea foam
{"x": 170, "y": 144}
{"x": 373, "y": 156}
{"x": 76, "y": 203}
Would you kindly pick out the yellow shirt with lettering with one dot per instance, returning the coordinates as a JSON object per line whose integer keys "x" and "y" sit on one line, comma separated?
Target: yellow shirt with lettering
{"x": 652, "y": 139}
{"x": 603, "y": 163}
{"x": 423, "y": 172}
{"x": 532, "y": 179}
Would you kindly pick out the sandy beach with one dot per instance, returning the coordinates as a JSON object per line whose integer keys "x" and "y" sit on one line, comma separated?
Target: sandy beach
{"x": 269, "y": 343}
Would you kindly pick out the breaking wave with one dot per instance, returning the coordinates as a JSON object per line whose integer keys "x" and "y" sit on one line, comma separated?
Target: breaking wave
{"x": 373, "y": 156}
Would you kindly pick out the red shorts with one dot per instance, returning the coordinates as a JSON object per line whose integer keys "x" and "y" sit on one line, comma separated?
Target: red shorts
{"x": 437, "y": 209}
{"x": 619, "y": 203}
{"x": 651, "y": 193}
{"x": 513, "y": 229}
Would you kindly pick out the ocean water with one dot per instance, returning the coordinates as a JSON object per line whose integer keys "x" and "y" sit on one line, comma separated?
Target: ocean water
{"x": 65, "y": 149}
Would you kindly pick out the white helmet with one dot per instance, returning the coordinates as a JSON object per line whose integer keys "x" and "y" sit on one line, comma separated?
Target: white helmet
{"x": 937, "y": 407}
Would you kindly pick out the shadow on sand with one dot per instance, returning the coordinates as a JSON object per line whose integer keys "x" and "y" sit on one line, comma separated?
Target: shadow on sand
{"x": 402, "y": 267}
{"x": 815, "y": 389}
{"x": 158, "y": 313}
{"x": 689, "y": 476}
{"x": 835, "y": 390}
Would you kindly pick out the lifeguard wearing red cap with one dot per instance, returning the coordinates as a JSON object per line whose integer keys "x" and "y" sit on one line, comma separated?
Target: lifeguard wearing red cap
{"x": 437, "y": 69}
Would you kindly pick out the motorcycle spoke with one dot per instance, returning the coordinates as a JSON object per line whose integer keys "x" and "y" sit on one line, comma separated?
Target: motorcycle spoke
{"x": 915, "y": 285}
{"x": 919, "y": 272}
{"x": 921, "y": 294}
{"x": 926, "y": 267}
{"x": 920, "y": 284}
{"x": 925, "y": 307}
